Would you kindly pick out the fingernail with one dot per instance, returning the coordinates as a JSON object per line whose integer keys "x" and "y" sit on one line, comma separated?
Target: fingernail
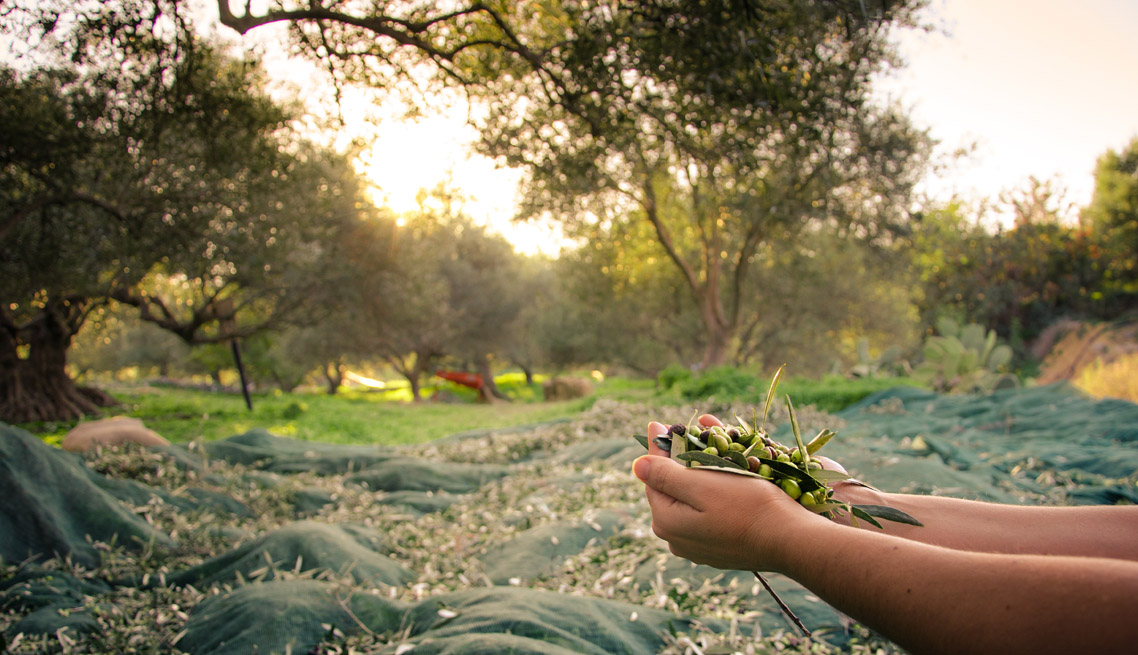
{"x": 640, "y": 467}
{"x": 655, "y": 428}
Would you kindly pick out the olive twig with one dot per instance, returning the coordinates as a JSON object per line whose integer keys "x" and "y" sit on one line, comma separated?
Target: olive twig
{"x": 783, "y": 606}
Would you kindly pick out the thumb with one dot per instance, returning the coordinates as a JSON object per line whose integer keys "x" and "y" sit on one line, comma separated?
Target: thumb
{"x": 670, "y": 478}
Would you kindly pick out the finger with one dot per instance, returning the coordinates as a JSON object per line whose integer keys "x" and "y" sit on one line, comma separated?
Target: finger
{"x": 672, "y": 479}
{"x": 655, "y": 430}
{"x": 707, "y": 421}
{"x": 829, "y": 464}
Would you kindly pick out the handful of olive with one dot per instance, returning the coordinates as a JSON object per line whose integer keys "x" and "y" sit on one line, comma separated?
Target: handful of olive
{"x": 747, "y": 449}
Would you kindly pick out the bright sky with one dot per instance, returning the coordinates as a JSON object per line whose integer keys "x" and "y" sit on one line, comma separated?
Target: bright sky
{"x": 1041, "y": 88}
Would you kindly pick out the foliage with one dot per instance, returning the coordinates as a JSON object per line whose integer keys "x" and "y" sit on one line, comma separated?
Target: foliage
{"x": 114, "y": 341}
{"x": 149, "y": 169}
{"x": 641, "y": 113}
{"x": 716, "y": 150}
{"x": 1113, "y": 215}
{"x": 720, "y": 382}
{"x": 675, "y": 374}
{"x": 826, "y": 299}
{"x": 833, "y": 393}
{"x": 830, "y": 393}
{"x": 965, "y": 359}
{"x": 1021, "y": 279}
{"x": 450, "y": 289}
{"x": 616, "y": 293}
{"x": 886, "y": 363}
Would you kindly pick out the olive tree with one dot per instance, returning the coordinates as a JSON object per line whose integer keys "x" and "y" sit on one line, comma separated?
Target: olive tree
{"x": 157, "y": 174}
{"x": 724, "y": 126}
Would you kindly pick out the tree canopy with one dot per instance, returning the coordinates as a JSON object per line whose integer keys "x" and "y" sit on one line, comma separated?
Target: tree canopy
{"x": 157, "y": 173}
{"x": 725, "y": 126}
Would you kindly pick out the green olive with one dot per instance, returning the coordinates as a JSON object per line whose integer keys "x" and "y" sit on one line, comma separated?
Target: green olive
{"x": 720, "y": 442}
{"x": 791, "y": 488}
{"x": 711, "y": 450}
{"x": 736, "y": 446}
{"x": 765, "y": 470}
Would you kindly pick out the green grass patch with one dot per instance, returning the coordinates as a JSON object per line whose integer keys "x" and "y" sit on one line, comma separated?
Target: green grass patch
{"x": 386, "y": 417}
{"x": 356, "y": 417}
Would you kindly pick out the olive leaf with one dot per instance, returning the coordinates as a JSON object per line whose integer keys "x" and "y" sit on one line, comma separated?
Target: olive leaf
{"x": 642, "y": 439}
{"x": 663, "y": 443}
{"x": 797, "y": 431}
{"x": 804, "y": 479}
{"x": 828, "y": 477}
{"x": 770, "y": 395}
{"x": 695, "y": 441}
{"x": 821, "y": 440}
{"x": 708, "y": 459}
{"x": 736, "y": 457}
{"x": 860, "y": 513}
{"x": 887, "y": 513}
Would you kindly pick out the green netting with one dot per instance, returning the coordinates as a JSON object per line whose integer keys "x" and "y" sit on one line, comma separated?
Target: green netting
{"x": 34, "y": 587}
{"x": 979, "y": 441}
{"x": 533, "y": 539}
{"x": 419, "y": 502}
{"x": 415, "y": 474}
{"x": 50, "y": 502}
{"x": 269, "y": 617}
{"x": 274, "y": 616}
{"x": 345, "y": 549}
{"x": 541, "y": 550}
{"x": 261, "y": 449}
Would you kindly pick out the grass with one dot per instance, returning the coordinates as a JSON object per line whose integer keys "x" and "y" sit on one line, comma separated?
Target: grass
{"x": 351, "y": 416}
{"x": 387, "y": 416}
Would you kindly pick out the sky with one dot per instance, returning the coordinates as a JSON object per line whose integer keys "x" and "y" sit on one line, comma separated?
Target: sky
{"x": 1041, "y": 88}
{"x": 1033, "y": 87}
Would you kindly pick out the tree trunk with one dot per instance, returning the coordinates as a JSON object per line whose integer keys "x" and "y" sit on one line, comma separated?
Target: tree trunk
{"x": 37, "y": 387}
{"x": 422, "y": 366}
{"x": 489, "y": 391}
{"x": 334, "y": 376}
{"x": 718, "y": 337}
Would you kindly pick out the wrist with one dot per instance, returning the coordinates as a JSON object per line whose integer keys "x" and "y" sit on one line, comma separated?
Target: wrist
{"x": 794, "y": 547}
{"x": 854, "y": 492}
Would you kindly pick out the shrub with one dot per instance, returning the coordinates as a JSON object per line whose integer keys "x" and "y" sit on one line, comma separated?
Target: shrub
{"x": 673, "y": 375}
{"x": 723, "y": 382}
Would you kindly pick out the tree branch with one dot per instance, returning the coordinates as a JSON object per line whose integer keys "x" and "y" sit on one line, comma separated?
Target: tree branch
{"x": 65, "y": 199}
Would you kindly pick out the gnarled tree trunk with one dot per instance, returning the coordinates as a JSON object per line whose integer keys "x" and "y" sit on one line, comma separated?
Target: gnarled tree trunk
{"x": 34, "y": 384}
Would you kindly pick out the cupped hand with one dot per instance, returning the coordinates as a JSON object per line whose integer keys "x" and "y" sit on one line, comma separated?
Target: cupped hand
{"x": 720, "y": 519}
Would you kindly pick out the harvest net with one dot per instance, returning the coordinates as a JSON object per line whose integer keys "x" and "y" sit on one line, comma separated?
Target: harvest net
{"x": 532, "y": 540}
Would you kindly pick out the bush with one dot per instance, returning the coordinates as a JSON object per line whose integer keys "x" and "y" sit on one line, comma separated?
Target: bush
{"x": 723, "y": 382}
{"x": 834, "y": 393}
{"x": 673, "y": 375}
{"x": 830, "y": 394}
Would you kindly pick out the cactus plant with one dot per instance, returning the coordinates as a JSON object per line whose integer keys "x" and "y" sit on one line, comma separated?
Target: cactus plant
{"x": 888, "y": 363}
{"x": 965, "y": 359}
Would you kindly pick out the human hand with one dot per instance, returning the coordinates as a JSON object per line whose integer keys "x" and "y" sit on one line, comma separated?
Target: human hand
{"x": 719, "y": 519}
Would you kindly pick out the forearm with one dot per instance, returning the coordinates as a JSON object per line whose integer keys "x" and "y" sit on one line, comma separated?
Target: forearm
{"x": 931, "y": 599}
{"x": 1091, "y": 531}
